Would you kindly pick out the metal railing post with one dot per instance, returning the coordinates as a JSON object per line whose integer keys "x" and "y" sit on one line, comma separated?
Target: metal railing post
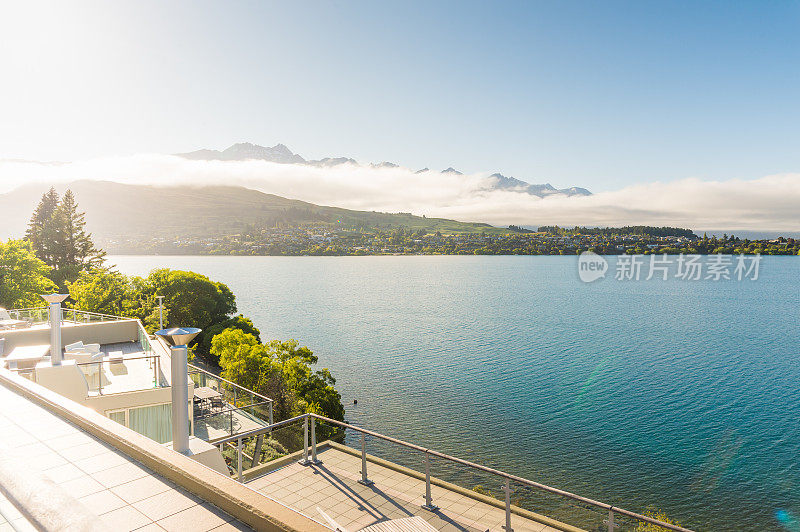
{"x": 364, "y": 480}
{"x": 234, "y": 398}
{"x": 428, "y": 499}
{"x": 305, "y": 461}
{"x": 257, "y": 450}
{"x": 231, "y": 418}
{"x": 270, "y": 418}
{"x": 239, "y": 459}
{"x": 507, "y": 488}
{"x": 610, "y": 521}
{"x": 314, "y": 459}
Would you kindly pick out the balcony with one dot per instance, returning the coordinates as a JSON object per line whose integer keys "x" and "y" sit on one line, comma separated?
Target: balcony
{"x": 222, "y": 409}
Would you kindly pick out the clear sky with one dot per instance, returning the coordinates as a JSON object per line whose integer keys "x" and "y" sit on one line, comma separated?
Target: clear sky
{"x": 595, "y": 94}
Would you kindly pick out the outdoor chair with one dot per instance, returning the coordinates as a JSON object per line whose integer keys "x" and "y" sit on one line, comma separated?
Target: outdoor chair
{"x": 217, "y": 403}
{"x": 7, "y": 322}
{"x": 80, "y": 347}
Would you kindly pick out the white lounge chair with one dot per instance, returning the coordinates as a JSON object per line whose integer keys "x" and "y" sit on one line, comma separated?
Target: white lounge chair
{"x": 80, "y": 347}
{"x": 7, "y": 322}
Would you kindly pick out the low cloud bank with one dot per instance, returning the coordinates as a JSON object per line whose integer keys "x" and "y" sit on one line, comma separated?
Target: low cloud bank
{"x": 770, "y": 203}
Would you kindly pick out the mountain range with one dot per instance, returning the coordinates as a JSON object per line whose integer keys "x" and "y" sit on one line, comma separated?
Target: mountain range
{"x": 118, "y": 214}
{"x": 281, "y": 154}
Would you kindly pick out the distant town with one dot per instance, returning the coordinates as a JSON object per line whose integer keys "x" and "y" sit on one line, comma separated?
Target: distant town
{"x": 327, "y": 239}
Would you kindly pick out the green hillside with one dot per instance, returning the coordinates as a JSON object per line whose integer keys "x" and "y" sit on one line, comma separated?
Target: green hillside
{"x": 117, "y": 212}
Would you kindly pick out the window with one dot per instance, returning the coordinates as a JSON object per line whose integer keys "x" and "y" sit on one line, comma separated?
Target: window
{"x": 154, "y": 421}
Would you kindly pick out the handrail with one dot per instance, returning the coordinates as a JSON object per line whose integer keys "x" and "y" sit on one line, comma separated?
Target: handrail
{"x": 65, "y": 311}
{"x": 106, "y": 360}
{"x": 195, "y": 369}
{"x": 260, "y": 430}
{"x": 233, "y": 409}
{"x": 430, "y": 452}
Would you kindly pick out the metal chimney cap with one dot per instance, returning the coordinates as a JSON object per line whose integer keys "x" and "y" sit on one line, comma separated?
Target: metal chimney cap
{"x": 179, "y": 335}
{"x": 54, "y": 298}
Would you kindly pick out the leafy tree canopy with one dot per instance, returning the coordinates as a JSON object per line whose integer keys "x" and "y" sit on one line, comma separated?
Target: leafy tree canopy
{"x": 193, "y": 299}
{"x": 110, "y": 292}
{"x": 23, "y": 276}
{"x": 279, "y": 370}
{"x": 237, "y": 322}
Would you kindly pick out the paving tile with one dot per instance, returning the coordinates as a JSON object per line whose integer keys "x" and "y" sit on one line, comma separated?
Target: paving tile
{"x": 66, "y": 441}
{"x": 165, "y": 504}
{"x": 63, "y": 473}
{"x": 8, "y": 510}
{"x": 141, "y": 488}
{"x": 197, "y": 518}
{"x": 152, "y": 527}
{"x": 100, "y": 462}
{"x": 22, "y": 525}
{"x": 84, "y": 485}
{"x": 125, "y": 518}
{"x": 119, "y": 474}
{"x": 47, "y": 460}
{"x": 74, "y": 453}
{"x": 102, "y": 502}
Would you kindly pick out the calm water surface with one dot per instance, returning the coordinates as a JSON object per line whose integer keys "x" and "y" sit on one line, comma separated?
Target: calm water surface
{"x": 681, "y": 395}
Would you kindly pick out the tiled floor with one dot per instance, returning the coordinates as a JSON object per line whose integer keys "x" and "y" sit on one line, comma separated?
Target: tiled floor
{"x": 333, "y": 487}
{"x": 128, "y": 375}
{"x": 125, "y": 494}
{"x": 212, "y": 427}
{"x": 10, "y": 519}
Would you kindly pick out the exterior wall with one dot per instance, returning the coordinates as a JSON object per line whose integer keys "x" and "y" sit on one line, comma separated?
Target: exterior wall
{"x": 104, "y": 332}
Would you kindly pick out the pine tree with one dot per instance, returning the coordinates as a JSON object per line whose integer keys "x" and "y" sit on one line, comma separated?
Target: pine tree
{"x": 40, "y": 228}
{"x": 73, "y": 249}
{"x": 57, "y": 232}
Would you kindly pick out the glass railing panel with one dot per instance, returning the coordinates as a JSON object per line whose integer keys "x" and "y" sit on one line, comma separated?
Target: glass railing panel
{"x": 275, "y": 444}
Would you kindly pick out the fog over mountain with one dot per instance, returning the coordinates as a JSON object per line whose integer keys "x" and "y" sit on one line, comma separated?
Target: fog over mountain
{"x": 281, "y": 154}
{"x": 765, "y": 204}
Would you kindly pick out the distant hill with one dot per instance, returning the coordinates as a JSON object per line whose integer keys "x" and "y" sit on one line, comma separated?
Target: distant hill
{"x": 116, "y": 212}
{"x": 283, "y": 155}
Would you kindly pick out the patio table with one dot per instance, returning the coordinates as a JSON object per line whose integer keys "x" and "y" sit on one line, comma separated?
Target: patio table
{"x": 205, "y": 393}
{"x": 26, "y": 354}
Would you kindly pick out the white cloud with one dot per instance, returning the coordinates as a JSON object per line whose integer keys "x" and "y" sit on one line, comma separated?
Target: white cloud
{"x": 769, "y": 203}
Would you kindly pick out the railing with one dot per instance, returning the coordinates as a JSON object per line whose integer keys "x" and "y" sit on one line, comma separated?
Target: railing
{"x": 28, "y": 373}
{"x": 242, "y": 402}
{"x": 310, "y": 421}
{"x": 33, "y": 315}
{"x": 154, "y": 362}
{"x": 82, "y": 316}
{"x": 39, "y": 315}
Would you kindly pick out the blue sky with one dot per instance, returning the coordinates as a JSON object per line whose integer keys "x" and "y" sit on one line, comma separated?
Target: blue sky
{"x": 601, "y": 94}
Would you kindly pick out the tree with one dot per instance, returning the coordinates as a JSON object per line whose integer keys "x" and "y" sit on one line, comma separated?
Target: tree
{"x": 655, "y": 513}
{"x": 40, "y": 230}
{"x": 237, "y": 322}
{"x": 23, "y": 276}
{"x": 193, "y": 299}
{"x": 73, "y": 249}
{"x": 57, "y": 231}
{"x": 110, "y": 292}
{"x": 279, "y": 370}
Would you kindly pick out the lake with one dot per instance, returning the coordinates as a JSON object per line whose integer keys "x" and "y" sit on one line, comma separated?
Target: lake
{"x": 681, "y": 395}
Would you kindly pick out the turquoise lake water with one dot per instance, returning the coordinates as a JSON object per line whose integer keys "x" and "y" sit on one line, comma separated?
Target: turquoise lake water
{"x": 684, "y": 395}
